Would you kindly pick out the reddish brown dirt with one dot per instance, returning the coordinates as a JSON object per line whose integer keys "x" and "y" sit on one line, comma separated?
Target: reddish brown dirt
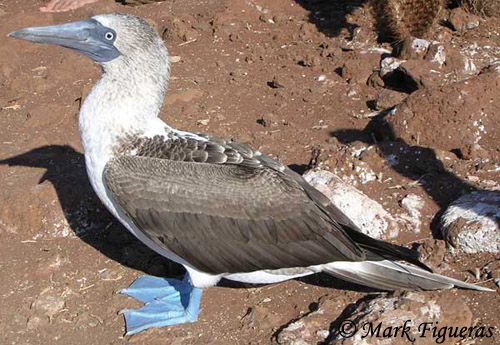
{"x": 286, "y": 79}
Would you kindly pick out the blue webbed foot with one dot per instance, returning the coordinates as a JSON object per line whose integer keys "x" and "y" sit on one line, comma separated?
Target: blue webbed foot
{"x": 167, "y": 302}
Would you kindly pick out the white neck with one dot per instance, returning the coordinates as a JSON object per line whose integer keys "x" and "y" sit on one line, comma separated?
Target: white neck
{"x": 126, "y": 101}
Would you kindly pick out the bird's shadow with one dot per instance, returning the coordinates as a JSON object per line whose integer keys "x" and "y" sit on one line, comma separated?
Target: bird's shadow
{"x": 86, "y": 216}
{"x": 93, "y": 224}
{"x": 417, "y": 163}
{"x": 331, "y": 17}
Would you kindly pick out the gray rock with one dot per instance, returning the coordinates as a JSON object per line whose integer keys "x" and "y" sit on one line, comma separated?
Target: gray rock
{"x": 471, "y": 224}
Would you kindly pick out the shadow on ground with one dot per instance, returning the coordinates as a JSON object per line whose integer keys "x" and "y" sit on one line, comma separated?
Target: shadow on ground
{"x": 330, "y": 16}
{"x": 87, "y": 217}
{"x": 416, "y": 163}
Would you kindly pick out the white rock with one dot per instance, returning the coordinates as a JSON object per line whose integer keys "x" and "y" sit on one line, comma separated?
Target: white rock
{"x": 419, "y": 45}
{"x": 366, "y": 213}
{"x": 439, "y": 54}
{"x": 175, "y": 59}
{"x": 471, "y": 223}
{"x": 389, "y": 64}
{"x": 413, "y": 205}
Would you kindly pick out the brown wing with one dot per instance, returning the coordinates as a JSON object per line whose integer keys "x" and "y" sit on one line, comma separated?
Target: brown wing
{"x": 226, "y": 215}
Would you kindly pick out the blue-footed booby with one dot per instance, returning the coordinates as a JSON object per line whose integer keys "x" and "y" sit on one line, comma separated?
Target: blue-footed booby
{"x": 219, "y": 208}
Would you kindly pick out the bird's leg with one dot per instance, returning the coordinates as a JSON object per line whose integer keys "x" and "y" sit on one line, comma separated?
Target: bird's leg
{"x": 167, "y": 302}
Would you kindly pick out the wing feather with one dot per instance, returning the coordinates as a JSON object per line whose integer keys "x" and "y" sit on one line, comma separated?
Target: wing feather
{"x": 223, "y": 217}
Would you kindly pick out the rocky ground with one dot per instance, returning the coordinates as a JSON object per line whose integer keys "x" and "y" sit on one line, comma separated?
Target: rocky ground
{"x": 308, "y": 82}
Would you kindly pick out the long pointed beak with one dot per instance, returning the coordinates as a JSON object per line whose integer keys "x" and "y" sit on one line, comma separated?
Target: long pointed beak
{"x": 82, "y": 36}
{"x": 71, "y": 35}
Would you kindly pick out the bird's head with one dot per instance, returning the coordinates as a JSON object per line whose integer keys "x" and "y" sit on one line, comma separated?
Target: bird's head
{"x": 107, "y": 39}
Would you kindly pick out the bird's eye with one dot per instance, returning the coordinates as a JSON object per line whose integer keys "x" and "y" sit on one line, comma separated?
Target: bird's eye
{"x": 109, "y": 35}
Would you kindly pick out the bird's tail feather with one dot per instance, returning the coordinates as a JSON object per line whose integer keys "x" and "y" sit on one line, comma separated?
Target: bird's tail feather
{"x": 391, "y": 275}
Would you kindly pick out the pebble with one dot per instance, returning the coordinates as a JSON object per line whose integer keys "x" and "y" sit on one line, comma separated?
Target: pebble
{"x": 413, "y": 205}
{"x": 110, "y": 275}
{"x": 436, "y": 54}
{"x": 203, "y": 122}
{"x": 388, "y": 98}
{"x": 432, "y": 252}
{"x": 414, "y": 48}
{"x": 48, "y": 305}
{"x": 175, "y": 58}
{"x": 35, "y": 322}
{"x": 260, "y": 317}
{"x": 268, "y": 120}
{"x": 389, "y": 65}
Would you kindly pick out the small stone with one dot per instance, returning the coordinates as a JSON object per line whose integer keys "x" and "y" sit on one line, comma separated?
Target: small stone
{"x": 310, "y": 60}
{"x": 203, "y": 122}
{"x": 238, "y": 74}
{"x": 389, "y": 65}
{"x": 414, "y": 48}
{"x": 175, "y": 59}
{"x": 311, "y": 328}
{"x": 276, "y": 83}
{"x": 388, "y": 98}
{"x": 110, "y": 275}
{"x": 375, "y": 81}
{"x": 86, "y": 321}
{"x": 260, "y": 317}
{"x": 48, "y": 305}
{"x": 413, "y": 205}
{"x": 268, "y": 120}
{"x": 432, "y": 252}
{"x": 266, "y": 18}
{"x": 35, "y": 322}
{"x": 234, "y": 37}
{"x": 436, "y": 54}
{"x": 471, "y": 223}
